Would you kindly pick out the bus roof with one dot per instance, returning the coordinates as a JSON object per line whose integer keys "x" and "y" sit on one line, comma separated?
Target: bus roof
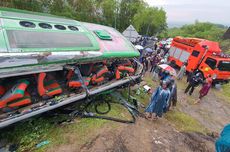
{"x": 33, "y": 16}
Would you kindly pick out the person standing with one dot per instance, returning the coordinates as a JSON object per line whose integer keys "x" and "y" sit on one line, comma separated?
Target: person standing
{"x": 155, "y": 46}
{"x": 189, "y": 76}
{"x": 156, "y": 73}
{"x": 205, "y": 89}
{"x": 162, "y": 102}
{"x": 154, "y": 61}
{"x": 193, "y": 83}
{"x": 166, "y": 76}
{"x": 158, "y": 101}
{"x": 182, "y": 71}
{"x": 173, "y": 94}
{"x": 146, "y": 63}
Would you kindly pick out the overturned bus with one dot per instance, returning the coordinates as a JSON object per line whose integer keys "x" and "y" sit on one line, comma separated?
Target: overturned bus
{"x": 43, "y": 57}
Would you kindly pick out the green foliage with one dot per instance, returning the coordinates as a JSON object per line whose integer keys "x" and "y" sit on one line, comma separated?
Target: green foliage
{"x": 28, "y": 134}
{"x": 150, "y": 20}
{"x": 127, "y": 10}
{"x": 225, "y": 45}
{"x": 31, "y": 5}
{"x": 226, "y": 90}
{"x": 200, "y": 30}
{"x": 118, "y": 14}
{"x": 184, "y": 122}
{"x": 224, "y": 94}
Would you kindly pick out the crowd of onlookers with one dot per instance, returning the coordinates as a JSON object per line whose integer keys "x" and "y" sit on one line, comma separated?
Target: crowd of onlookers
{"x": 164, "y": 97}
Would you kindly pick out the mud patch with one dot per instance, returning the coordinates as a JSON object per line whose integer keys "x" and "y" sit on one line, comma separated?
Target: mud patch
{"x": 199, "y": 142}
{"x": 147, "y": 136}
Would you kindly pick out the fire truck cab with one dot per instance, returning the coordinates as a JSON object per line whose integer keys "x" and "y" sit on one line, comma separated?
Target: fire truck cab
{"x": 202, "y": 56}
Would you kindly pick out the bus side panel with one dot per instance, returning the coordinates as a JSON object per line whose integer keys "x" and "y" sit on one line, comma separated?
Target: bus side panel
{"x": 178, "y": 54}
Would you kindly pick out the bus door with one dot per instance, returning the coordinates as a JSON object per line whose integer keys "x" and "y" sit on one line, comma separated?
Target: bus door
{"x": 208, "y": 66}
{"x": 193, "y": 60}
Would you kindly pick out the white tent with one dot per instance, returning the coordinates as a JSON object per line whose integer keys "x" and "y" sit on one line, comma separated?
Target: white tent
{"x": 131, "y": 34}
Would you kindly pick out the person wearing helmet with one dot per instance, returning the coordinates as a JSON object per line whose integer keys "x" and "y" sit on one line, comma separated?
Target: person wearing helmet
{"x": 193, "y": 83}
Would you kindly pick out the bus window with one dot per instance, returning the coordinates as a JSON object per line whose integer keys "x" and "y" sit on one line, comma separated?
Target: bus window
{"x": 2, "y": 45}
{"x": 195, "y": 53}
{"x": 184, "y": 56}
{"x": 60, "y": 27}
{"x": 211, "y": 63}
{"x": 172, "y": 50}
{"x": 224, "y": 66}
{"x": 177, "y": 53}
{"x": 45, "y": 25}
{"x": 27, "y": 24}
{"x": 73, "y": 28}
{"x": 36, "y": 39}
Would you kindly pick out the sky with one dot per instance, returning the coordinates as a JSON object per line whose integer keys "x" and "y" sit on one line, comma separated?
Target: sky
{"x": 180, "y": 12}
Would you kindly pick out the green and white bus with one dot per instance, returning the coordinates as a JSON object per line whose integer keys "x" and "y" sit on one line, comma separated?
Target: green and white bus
{"x": 44, "y": 56}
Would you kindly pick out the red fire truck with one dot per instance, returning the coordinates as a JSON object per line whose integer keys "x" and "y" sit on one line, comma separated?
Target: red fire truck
{"x": 202, "y": 55}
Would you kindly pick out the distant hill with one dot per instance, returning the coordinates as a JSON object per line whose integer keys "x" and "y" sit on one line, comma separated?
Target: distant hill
{"x": 205, "y": 30}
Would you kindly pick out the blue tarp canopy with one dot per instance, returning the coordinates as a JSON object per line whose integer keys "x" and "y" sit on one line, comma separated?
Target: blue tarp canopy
{"x": 223, "y": 143}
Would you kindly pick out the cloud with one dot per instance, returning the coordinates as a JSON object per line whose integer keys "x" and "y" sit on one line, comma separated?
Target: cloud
{"x": 187, "y": 11}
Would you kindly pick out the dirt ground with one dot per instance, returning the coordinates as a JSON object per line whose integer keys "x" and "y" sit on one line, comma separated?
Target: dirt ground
{"x": 161, "y": 136}
{"x": 145, "y": 136}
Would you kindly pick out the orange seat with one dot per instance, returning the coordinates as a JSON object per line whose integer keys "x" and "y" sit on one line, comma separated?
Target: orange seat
{"x": 99, "y": 76}
{"x": 20, "y": 102}
{"x": 2, "y": 90}
{"x": 48, "y": 88}
{"x": 15, "y": 94}
{"x": 77, "y": 83}
{"x": 74, "y": 82}
{"x": 122, "y": 68}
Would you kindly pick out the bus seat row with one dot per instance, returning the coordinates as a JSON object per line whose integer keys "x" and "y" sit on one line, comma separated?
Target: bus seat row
{"x": 48, "y": 87}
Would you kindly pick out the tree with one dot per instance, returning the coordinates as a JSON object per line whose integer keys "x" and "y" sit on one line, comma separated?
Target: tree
{"x": 117, "y": 13}
{"x": 204, "y": 30}
{"x": 127, "y": 10}
{"x": 150, "y": 20}
{"x": 106, "y": 12}
{"x": 31, "y": 5}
